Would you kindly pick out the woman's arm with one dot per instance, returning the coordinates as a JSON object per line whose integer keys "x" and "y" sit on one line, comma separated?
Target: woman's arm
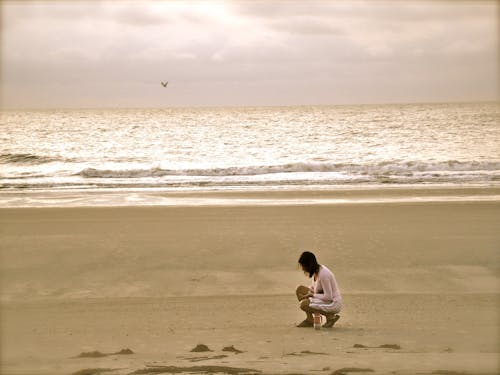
{"x": 326, "y": 285}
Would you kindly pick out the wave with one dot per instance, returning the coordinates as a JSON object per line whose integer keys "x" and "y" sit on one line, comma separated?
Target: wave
{"x": 222, "y": 184}
{"x": 27, "y": 159}
{"x": 384, "y": 168}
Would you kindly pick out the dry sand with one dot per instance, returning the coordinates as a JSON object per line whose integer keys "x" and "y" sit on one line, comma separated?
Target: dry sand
{"x": 423, "y": 277}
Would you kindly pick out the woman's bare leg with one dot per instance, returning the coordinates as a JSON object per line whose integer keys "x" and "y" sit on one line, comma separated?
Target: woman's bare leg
{"x": 304, "y": 306}
{"x": 301, "y": 292}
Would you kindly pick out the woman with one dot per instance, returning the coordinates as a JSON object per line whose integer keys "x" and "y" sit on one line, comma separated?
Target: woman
{"x": 323, "y": 296}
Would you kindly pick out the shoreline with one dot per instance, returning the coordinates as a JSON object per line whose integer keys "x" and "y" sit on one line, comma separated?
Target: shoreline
{"x": 261, "y": 196}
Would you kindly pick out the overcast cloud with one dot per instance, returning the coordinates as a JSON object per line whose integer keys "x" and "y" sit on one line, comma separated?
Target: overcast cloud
{"x": 114, "y": 54}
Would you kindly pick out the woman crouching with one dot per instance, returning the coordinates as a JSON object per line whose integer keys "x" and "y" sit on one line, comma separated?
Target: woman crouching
{"x": 323, "y": 296}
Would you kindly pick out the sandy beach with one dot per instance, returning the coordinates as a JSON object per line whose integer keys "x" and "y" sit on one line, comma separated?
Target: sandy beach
{"x": 165, "y": 164}
{"x": 420, "y": 282}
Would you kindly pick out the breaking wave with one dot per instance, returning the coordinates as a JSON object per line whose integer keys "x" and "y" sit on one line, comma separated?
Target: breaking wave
{"x": 384, "y": 168}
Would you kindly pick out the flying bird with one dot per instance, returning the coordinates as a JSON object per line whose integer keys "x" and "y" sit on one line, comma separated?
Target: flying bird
{"x": 164, "y": 84}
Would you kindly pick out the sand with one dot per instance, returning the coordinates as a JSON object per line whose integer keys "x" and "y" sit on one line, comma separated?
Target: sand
{"x": 420, "y": 282}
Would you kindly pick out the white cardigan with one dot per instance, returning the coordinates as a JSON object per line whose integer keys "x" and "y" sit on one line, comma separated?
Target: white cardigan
{"x": 325, "y": 288}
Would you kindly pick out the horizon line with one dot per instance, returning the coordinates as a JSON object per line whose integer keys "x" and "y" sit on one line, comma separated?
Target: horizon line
{"x": 490, "y": 101}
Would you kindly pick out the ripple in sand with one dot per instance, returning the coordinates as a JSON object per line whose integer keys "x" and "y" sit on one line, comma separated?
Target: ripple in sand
{"x": 93, "y": 371}
{"x": 124, "y": 351}
{"x": 98, "y": 354}
{"x": 196, "y": 369}
{"x": 94, "y": 354}
{"x": 306, "y": 352}
{"x": 390, "y": 346}
{"x": 384, "y": 346}
{"x": 360, "y": 346}
{"x": 346, "y": 370}
{"x": 199, "y": 359}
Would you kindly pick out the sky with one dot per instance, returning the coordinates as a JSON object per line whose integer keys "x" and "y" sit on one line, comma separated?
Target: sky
{"x": 91, "y": 54}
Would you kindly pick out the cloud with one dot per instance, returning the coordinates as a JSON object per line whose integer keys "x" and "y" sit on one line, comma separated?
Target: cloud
{"x": 376, "y": 49}
{"x": 141, "y": 17}
{"x": 306, "y": 26}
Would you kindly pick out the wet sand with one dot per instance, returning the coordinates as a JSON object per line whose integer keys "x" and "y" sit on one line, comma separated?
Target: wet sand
{"x": 418, "y": 278}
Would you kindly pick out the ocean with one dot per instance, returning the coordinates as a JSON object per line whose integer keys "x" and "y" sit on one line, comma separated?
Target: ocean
{"x": 248, "y": 148}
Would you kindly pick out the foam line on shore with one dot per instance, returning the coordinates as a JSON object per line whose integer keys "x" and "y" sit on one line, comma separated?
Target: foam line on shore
{"x": 247, "y": 198}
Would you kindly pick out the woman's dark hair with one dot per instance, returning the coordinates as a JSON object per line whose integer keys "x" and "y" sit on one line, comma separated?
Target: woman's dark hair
{"x": 309, "y": 263}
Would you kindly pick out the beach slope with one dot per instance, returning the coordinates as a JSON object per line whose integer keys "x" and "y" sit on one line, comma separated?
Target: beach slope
{"x": 419, "y": 280}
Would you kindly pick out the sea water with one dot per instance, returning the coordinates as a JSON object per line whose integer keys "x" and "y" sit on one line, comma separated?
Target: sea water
{"x": 249, "y": 148}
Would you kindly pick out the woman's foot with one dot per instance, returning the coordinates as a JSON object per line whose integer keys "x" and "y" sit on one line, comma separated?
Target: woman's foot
{"x": 306, "y": 323}
{"x": 330, "y": 320}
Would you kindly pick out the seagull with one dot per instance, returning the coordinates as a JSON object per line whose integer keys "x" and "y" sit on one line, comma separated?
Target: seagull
{"x": 164, "y": 84}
